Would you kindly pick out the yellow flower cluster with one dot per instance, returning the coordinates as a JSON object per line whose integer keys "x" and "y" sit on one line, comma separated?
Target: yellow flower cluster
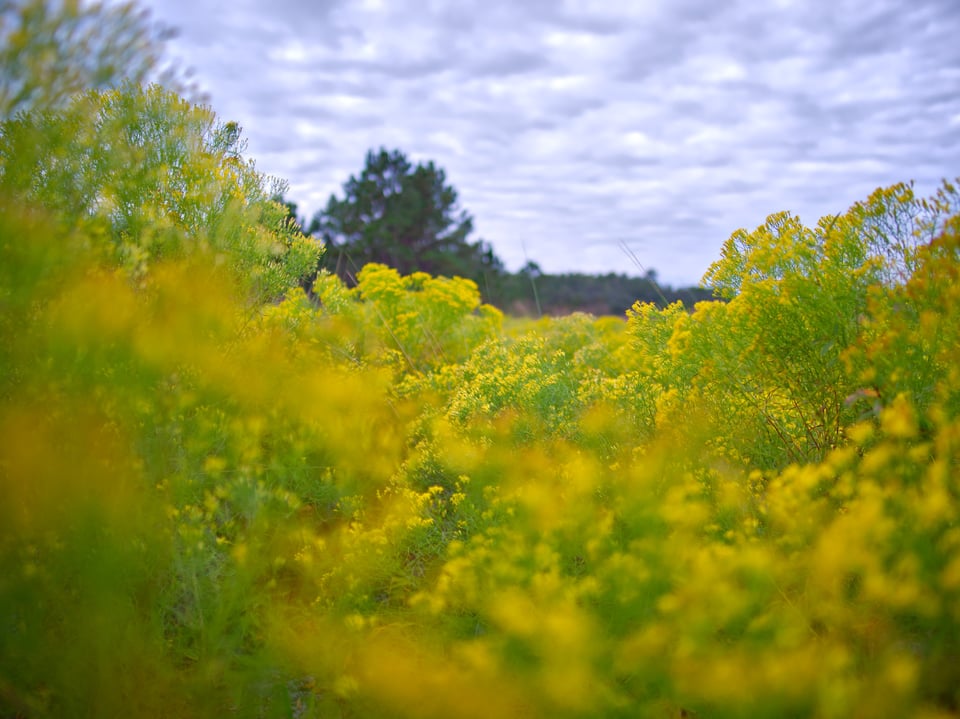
{"x": 390, "y": 504}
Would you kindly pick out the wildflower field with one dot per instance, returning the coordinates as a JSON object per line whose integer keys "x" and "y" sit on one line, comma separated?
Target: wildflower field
{"x": 222, "y": 496}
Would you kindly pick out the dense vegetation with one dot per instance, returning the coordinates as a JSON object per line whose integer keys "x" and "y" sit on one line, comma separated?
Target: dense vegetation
{"x": 407, "y": 217}
{"x": 403, "y": 216}
{"x": 221, "y": 498}
{"x": 531, "y": 293}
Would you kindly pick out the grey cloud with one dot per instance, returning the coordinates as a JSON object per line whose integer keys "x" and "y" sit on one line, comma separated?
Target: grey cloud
{"x": 617, "y": 162}
{"x": 512, "y": 62}
{"x": 568, "y": 128}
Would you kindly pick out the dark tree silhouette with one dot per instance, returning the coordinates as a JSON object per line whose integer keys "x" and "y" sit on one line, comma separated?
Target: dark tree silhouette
{"x": 402, "y": 215}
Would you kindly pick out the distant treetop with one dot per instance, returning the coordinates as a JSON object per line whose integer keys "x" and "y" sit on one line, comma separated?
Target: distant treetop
{"x": 402, "y": 215}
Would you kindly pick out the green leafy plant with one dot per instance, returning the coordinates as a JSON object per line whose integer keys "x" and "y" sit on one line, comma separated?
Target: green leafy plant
{"x": 223, "y": 496}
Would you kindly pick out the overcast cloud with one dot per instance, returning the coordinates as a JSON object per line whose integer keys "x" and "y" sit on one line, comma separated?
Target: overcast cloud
{"x": 572, "y": 128}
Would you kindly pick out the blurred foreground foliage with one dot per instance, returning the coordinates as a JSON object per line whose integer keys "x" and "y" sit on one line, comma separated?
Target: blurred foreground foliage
{"x": 222, "y": 498}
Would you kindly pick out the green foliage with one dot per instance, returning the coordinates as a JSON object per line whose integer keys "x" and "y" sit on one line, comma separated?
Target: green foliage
{"x": 558, "y": 295}
{"x": 50, "y": 51}
{"x": 431, "y": 321}
{"x": 413, "y": 324}
{"x": 774, "y": 359}
{"x": 394, "y": 502}
{"x": 908, "y": 338}
{"x": 387, "y": 504}
{"x": 404, "y": 217}
{"x": 147, "y": 176}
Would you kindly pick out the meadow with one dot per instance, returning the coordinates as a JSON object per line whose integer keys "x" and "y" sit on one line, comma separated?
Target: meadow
{"x": 222, "y": 497}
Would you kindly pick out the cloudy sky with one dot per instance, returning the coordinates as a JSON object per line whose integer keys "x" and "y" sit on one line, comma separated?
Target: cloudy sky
{"x": 574, "y": 128}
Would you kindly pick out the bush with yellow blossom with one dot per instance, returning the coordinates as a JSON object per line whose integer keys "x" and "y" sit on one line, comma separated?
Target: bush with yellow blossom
{"x": 221, "y": 497}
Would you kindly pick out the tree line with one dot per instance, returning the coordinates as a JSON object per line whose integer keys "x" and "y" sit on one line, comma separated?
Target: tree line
{"x": 407, "y": 216}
